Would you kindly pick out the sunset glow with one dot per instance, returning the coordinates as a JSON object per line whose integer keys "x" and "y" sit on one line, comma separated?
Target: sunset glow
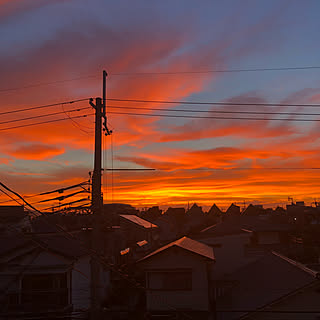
{"x": 203, "y": 160}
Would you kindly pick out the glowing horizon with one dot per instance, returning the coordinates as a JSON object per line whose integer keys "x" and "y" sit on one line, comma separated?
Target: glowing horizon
{"x": 197, "y": 160}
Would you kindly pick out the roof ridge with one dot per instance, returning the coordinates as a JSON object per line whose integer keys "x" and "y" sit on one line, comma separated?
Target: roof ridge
{"x": 297, "y": 264}
{"x": 208, "y": 228}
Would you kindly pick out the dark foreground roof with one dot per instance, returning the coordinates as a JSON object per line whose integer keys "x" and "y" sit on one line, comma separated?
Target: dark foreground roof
{"x": 263, "y": 282}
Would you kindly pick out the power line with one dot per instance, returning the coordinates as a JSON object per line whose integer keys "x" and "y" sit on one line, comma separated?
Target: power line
{"x": 47, "y": 83}
{"x": 166, "y": 110}
{"x": 250, "y": 168}
{"x": 191, "y": 72}
{"x": 44, "y": 122}
{"x": 44, "y": 115}
{"x": 43, "y": 106}
{"x": 218, "y": 169}
{"x": 168, "y": 102}
{"x": 219, "y": 103}
{"x": 61, "y": 190}
{"x": 212, "y": 117}
{"x": 162, "y": 115}
{"x": 75, "y": 123}
{"x": 215, "y": 111}
{"x": 215, "y": 71}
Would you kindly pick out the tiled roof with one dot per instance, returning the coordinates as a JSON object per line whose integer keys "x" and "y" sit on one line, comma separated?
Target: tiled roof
{"x": 187, "y": 244}
{"x": 137, "y": 220}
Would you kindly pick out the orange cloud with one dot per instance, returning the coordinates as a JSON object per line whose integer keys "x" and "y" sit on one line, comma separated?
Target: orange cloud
{"x": 206, "y": 176}
{"x": 36, "y": 152}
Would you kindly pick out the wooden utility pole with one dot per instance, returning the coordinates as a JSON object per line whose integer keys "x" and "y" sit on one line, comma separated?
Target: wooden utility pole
{"x": 97, "y": 203}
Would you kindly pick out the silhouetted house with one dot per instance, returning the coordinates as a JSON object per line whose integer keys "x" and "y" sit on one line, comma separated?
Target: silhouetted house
{"x": 195, "y": 210}
{"x": 14, "y": 219}
{"x": 229, "y": 242}
{"x": 195, "y": 219}
{"x": 119, "y": 208}
{"x": 137, "y": 229}
{"x": 267, "y": 233}
{"x": 271, "y": 283}
{"x": 233, "y": 210}
{"x": 151, "y": 213}
{"x": 253, "y": 210}
{"x": 178, "y": 278}
{"x": 111, "y": 212}
{"x": 302, "y": 215}
{"x": 45, "y": 274}
{"x": 215, "y": 211}
{"x": 167, "y": 229}
{"x": 279, "y": 211}
{"x": 213, "y": 216}
{"x": 177, "y": 216}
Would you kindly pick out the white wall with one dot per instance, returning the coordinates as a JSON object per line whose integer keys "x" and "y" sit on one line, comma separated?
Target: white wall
{"x": 81, "y": 283}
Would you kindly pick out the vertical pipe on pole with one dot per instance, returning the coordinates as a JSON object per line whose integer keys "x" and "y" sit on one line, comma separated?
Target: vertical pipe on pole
{"x": 104, "y": 90}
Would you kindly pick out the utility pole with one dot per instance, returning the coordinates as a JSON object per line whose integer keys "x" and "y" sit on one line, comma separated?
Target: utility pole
{"x": 97, "y": 203}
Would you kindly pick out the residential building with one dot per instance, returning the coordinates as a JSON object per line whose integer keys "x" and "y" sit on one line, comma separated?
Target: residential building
{"x": 46, "y": 274}
{"x": 178, "y": 278}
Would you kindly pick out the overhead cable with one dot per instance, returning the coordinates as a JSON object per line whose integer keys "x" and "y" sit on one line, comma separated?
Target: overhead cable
{"x": 44, "y": 106}
{"x": 211, "y": 117}
{"x": 222, "y": 103}
{"x": 213, "y": 111}
{"x": 44, "y": 122}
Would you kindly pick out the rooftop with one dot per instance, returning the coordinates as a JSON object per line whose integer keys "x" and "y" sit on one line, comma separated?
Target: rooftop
{"x": 187, "y": 244}
{"x": 276, "y": 274}
{"x": 139, "y": 221}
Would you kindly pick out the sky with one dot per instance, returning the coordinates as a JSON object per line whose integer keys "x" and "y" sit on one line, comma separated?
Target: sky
{"x": 54, "y": 51}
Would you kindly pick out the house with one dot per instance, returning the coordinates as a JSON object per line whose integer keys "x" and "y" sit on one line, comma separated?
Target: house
{"x": 177, "y": 278}
{"x": 229, "y": 242}
{"x": 302, "y": 215}
{"x": 137, "y": 229}
{"x": 214, "y": 215}
{"x": 233, "y": 210}
{"x": 266, "y": 232}
{"x": 215, "y": 211}
{"x": 45, "y": 274}
{"x": 167, "y": 230}
{"x": 253, "y": 210}
{"x": 111, "y": 212}
{"x": 151, "y": 213}
{"x": 273, "y": 282}
{"x": 177, "y": 217}
{"x": 13, "y": 219}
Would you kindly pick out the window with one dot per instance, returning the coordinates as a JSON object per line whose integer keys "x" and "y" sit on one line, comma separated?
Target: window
{"x": 43, "y": 290}
{"x": 170, "y": 280}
